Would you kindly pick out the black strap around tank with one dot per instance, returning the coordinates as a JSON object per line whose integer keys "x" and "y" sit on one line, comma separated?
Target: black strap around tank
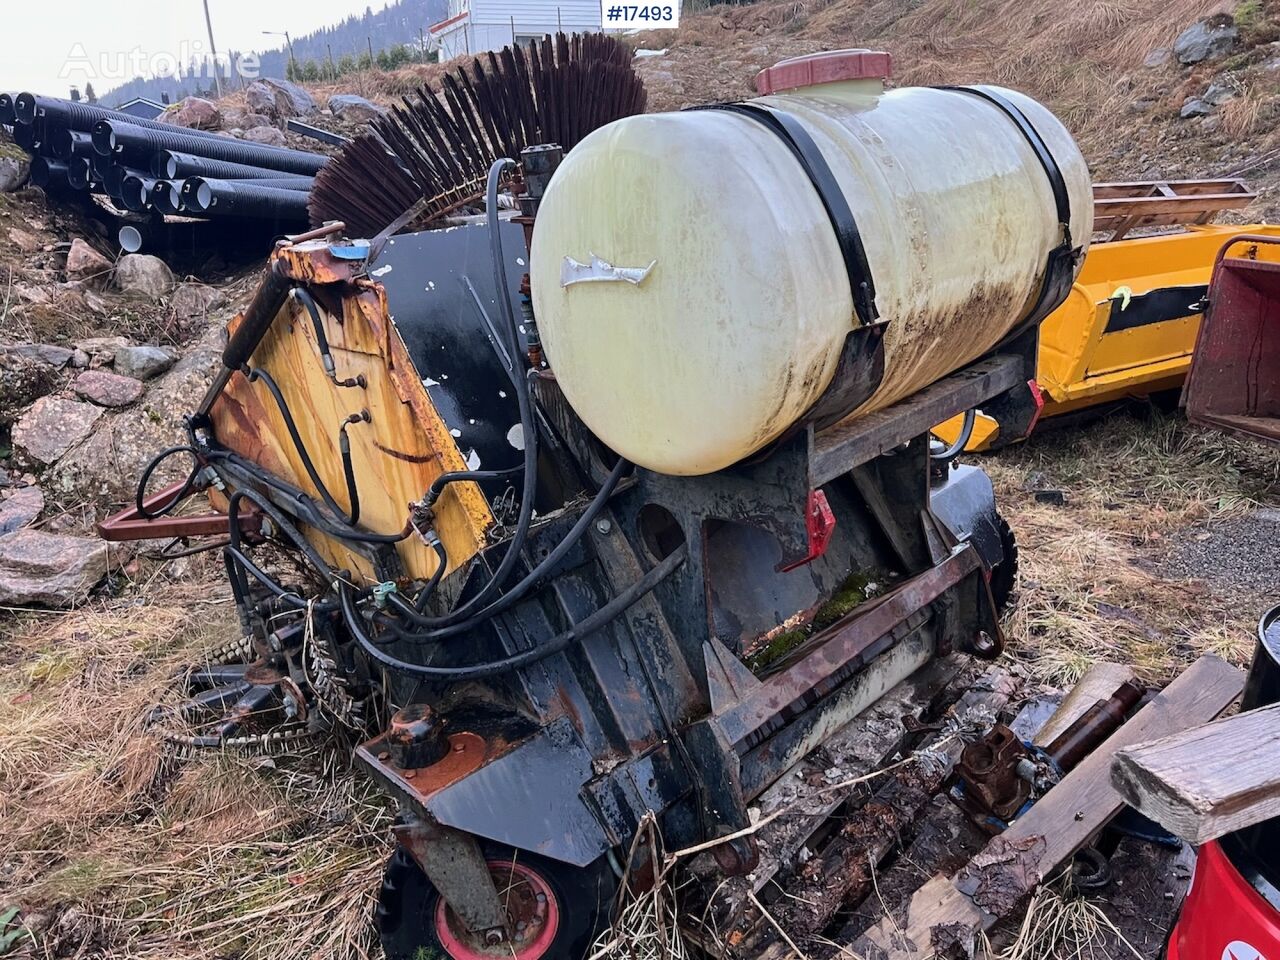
{"x": 1061, "y": 198}
{"x": 797, "y": 139}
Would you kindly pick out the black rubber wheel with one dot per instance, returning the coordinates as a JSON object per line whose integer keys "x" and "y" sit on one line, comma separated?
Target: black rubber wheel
{"x": 410, "y": 914}
{"x": 1005, "y": 573}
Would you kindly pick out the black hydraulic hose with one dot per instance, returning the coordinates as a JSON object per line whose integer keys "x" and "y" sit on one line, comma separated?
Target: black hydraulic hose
{"x": 303, "y": 296}
{"x": 588, "y": 625}
{"x": 442, "y": 562}
{"x": 257, "y": 373}
{"x": 348, "y": 465}
{"x": 442, "y": 481}
{"x": 528, "y": 425}
{"x": 139, "y": 500}
{"x": 176, "y": 165}
{"x": 290, "y": 597}
{"x": 282, "y": 525}
{"x": 961, "y": 441}
{"x": 533, "y": 577}
{"x": 140, "y": 144}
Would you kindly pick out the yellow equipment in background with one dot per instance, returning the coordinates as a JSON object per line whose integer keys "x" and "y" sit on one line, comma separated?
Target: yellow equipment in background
{"x": 1129, "y": 326}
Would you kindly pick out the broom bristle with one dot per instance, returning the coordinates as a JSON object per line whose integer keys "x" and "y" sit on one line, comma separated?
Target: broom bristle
{"x": 438, "y": 144}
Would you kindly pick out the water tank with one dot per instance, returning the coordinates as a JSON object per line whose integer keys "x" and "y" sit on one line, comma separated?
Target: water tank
{"x": 690, "y": 289}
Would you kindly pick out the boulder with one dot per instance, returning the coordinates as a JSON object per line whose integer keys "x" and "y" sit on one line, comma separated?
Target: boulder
{"x": 144, "y": 275}
{"x": 20, "y": 508}
{"x": 107, "y": 389}
{"x": 101, "y": 350}
{"x": 195, "y": 113}
{"x": 267, "y": 136}
{"x": 143, "y": 362}
{"x": 279, "y": 99}
{"x": 87, "y": 264}
{"x": 1195, "y": 107}
{"x": 190, "y": 305}
{"x": 49, "y": 569}
{"x": 1207, "y": 39}
{"x": 251, "y": 121}
{"x": 353, "y": 109}
{"x": 52, "y": 426}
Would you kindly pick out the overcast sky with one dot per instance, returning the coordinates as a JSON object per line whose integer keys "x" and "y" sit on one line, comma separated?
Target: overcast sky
{"x": 48, "y": 45}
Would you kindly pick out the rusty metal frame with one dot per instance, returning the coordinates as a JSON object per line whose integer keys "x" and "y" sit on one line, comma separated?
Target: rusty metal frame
{"x": 129, "y": 524}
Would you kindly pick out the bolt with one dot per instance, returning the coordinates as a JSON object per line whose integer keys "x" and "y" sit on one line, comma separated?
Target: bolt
{"x": 410, "y": 774}
{"x": 603, "y": 526}
{"x": 542, "y": 898}
{"x": 459, "y": 747}
{"x": 384, "y": 756}
{"x": 493, "y": 937}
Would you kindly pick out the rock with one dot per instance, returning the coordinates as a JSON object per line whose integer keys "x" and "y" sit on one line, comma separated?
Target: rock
{"x": 102, "y": 350}
{"x": 20, "y": 508}
{"x": 86, "y": 263}
{"x": 1219, "y": 92}
{"x": 52, "y": 426}
{"x": 79, "y": 359}
{"x": 353, "y": 109}
{"x": 251, "y": 121}
{"x": 49, "y": 569}
{"x": 47, "y": 353}
{"x": 1206, "y": 39}
{"x": 1157, "y": 58}
{"x": 279, "y": 99}
{"x": 107, "y": 389}
{"x": 1210, "y": 124}
{"x": 190, "y": 305}
{"x": 13, "y": 173}
{"x": 144, "y": 275}
{"x": 268, "y": 136}
{"x": 143, "y": 362}
{"x": 23, "y": 381}
{"x": 1194, "y": 107}
{"x": 195, "y": 113}
{"x": 26, "y": 242}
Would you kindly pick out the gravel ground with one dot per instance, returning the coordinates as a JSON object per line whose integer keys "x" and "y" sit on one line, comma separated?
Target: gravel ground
{"x": 1240, "y": 555}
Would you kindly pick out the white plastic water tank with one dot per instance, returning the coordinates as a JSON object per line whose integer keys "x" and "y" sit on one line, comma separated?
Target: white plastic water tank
{"x": 689, "y": 288}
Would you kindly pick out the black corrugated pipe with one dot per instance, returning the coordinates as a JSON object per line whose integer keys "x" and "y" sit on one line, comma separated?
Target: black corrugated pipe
{"x": 79, "y": 173}
{"x": 175, "y": 165}
{"x": 49, "y": 174}
{"x": 139, "y": 145}
{"x": 28, "y": 108}
{"x": 224, "y": 199}
{"x": 302, "y": 184}
{"x": 135, "y": 191}
{"x": 166, "y": 197}
{"x": 29, "y": 138}
{"x": 6, "y": 109}
{"x": 100, "y": 166}
{"x": 71, "y": 143}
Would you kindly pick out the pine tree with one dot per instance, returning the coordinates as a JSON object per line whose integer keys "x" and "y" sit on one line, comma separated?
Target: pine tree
{"x": 89, "y": 94}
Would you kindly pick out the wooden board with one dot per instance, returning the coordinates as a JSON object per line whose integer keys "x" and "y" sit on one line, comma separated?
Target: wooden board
{"x": 948, "y": 911}
{"x": 1206, "y": 782}
{"x": 397, "y": 455}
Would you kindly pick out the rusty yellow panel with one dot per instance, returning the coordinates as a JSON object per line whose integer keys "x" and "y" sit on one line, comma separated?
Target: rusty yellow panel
{"x": 396, "y": 455}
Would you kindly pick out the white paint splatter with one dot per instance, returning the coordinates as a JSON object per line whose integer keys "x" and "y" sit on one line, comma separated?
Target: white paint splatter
{"x": 515, "y": 436}
{"x": 502, "y": 394}
{"x": 473, "y": 459}
{"x": 381, "y": 271}
{"x": 455, "y": 432}
{"x": 428, "y": 382}
{"x": 520, "y": 260}
{"x": 472, "y": 422}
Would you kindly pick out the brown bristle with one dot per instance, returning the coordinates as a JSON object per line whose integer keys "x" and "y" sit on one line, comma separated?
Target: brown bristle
{"x": 440, "y": 142}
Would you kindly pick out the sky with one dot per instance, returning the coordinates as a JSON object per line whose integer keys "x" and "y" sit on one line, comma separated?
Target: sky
{"x": 46, "y": 46}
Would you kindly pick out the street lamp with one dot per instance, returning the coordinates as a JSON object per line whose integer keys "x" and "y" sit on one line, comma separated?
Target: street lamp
{"x": 288, "y": 40}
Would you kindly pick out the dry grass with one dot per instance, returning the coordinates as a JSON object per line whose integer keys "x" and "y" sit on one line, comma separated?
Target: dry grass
{"x": 1090, "y": 587}
{"x": 113, "y": 846}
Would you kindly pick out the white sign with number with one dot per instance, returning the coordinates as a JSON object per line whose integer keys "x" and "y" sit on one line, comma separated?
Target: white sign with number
{"x": 643, "y": 16}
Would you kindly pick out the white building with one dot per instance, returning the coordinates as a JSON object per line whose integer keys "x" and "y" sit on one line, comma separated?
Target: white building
{"x": 476, "y": 25}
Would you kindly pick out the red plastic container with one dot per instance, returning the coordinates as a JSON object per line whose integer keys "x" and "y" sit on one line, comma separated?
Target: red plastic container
{"x": 1224, "y": 917}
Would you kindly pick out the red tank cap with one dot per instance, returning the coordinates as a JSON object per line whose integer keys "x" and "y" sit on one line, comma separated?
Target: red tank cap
{"x": 827, "y": 67}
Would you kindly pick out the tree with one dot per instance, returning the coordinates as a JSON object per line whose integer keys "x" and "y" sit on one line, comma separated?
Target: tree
{"x": 89, "y": 94}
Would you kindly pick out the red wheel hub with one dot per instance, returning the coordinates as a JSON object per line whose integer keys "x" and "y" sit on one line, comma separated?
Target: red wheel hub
{"x": 533, "y": 917}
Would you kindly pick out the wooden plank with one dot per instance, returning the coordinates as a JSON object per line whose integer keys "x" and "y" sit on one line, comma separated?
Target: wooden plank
{"x": 840, "y": 448}
{"x": 949, "y": 911}
{"x": 1129, "y": 206}
{"x": 1208, "y": 781}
